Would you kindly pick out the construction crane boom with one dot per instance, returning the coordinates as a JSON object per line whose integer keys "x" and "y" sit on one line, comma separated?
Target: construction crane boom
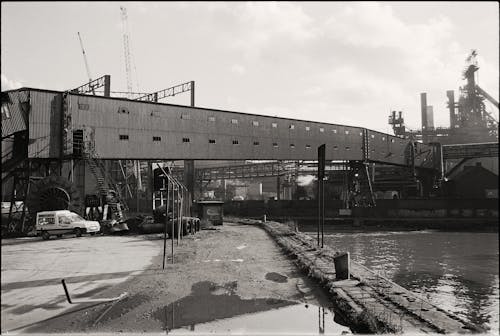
{"x": 126, "y": 48}
{"x": 85, "y": 59}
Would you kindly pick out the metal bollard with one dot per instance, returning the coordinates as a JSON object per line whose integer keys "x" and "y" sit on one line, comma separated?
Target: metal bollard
{"x": 66, "y": 290}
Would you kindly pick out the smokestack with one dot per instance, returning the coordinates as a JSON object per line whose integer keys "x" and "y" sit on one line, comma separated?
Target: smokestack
{"x": 423, "y": 110}
{"x": 430, "y": 118}
{"x": 451, "y": 106}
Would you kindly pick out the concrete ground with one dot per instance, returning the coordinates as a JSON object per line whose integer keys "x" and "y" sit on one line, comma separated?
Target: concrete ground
{"x": 32, "y": 270}
{"x": 217, "y": 274}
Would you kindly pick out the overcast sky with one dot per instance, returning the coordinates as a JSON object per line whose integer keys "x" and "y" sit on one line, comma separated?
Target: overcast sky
{"x": 338, "y": 62}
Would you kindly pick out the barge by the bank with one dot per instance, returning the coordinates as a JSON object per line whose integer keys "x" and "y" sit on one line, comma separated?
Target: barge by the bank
{"x": 369, "y": 301}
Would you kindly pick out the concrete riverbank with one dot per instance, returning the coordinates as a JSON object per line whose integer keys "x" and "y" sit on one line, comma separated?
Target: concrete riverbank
{"x": 368, "y": 300}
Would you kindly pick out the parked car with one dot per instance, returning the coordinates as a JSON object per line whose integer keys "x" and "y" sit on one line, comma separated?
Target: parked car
{"x": 59, "y": 222}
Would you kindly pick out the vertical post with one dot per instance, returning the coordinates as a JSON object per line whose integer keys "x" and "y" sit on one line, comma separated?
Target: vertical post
{"x": 107, "y": 85}
{"x": 66, "y": 290}
{"x": 224, "y": 181}
{"x": 321, "y": 175}
{"x": 278, "y": 187}
{"x": 318, "y": 192}
{"x": 26, "y": 193}
{"x": 150, "y": 182}
{"x": 423, "y": 112}
{"x": 178, "y": 215}
{"x": 181, "y": 212}
{"x": 13, "y": 197}
{"x": 372, "y": 196}
{"x": 192, "y": 93}
{"x": 138, "y": 184}
{"x": 189, "y": 176}
{"x": 165, "y": 231}
{"x": 72, "y": 170}
{"x": 173, "y": 231}
{"x": 322, "y": 211}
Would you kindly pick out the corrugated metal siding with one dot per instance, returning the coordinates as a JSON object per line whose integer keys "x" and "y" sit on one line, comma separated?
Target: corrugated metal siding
{"x": 142, "y": 121}
{"x": 388, "y": 148}
{"x": 17, "y": 120}
{"x": 44, "y": 124}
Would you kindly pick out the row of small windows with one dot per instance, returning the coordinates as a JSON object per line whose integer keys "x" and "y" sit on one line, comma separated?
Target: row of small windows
{"x": 155, "y": 138}
{"x": 212, "y": 141}
{"x": 273, "y": 125}
{"x": 235, "y": 142}
{"x": 254, "y": 123}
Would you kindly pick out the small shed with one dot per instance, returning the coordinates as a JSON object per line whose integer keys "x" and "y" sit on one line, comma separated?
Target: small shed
{"x": 210, "y": 213}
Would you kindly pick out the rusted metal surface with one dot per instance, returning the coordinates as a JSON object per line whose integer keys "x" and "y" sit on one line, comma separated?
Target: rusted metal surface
{"x": 127, "y": 129}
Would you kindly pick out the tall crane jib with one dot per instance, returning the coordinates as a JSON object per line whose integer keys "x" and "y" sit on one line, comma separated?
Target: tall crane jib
{"x": 86, "y": 62}
{"x": 126, "y": 49}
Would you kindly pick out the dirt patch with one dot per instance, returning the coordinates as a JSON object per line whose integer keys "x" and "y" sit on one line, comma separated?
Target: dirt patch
{"x": 91, "y": 292}
{"x": 205, "y": 283}
{"x": 124, "y": 306}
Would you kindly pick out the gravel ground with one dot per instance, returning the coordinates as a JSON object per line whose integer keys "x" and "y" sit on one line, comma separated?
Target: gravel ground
{"x": 222, "y": 273}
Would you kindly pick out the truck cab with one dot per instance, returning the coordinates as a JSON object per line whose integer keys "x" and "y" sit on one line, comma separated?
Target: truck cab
{"x": 59, "y": 222}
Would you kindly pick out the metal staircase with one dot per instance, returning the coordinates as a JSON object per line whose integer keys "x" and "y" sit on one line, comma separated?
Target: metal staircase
{"x": 106, "y": 185}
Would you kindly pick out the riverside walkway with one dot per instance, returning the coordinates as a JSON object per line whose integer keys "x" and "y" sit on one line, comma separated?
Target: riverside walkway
{"x": 367, "y": 300}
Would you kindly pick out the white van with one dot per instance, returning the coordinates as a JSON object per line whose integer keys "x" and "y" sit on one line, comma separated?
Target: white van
{"x": 59, "y": 222}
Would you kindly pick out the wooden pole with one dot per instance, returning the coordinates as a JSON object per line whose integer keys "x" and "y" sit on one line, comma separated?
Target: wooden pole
{"x": 172, "y": 238}
{"x": 165, "y": 230}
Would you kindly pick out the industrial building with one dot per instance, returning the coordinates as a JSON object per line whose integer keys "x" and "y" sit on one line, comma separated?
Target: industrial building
{"x": 69, "y": 149}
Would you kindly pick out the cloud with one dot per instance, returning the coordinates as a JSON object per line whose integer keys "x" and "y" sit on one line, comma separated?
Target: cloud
{"x": 252, "y": 27}
{"x": 353, "y": 63}
{"x": 238, "y": 69}
{"x": 8, "y": 84}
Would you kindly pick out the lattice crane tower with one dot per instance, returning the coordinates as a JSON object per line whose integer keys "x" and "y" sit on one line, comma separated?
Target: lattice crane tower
{"x": 126, "y": 49}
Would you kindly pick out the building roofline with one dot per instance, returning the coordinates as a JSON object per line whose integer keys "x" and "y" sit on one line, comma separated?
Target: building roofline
{"x": 197, "y": 107}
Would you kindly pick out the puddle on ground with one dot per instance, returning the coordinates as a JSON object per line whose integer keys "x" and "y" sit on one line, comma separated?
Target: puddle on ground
{"x": 213, "y": 308}
{"x": 209, "y": 302}
{"x": 298, "y": 319}
{"x": 276, "y": 277}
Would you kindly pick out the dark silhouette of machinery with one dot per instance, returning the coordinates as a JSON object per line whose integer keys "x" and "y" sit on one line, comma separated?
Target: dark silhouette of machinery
{"x": 53, "y": 193}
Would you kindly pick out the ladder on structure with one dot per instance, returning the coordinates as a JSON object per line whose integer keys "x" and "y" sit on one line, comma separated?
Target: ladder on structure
{"x": 105, "y": 184}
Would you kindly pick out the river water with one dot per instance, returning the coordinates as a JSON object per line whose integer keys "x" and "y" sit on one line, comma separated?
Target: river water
{"x": 457, "y": 271}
